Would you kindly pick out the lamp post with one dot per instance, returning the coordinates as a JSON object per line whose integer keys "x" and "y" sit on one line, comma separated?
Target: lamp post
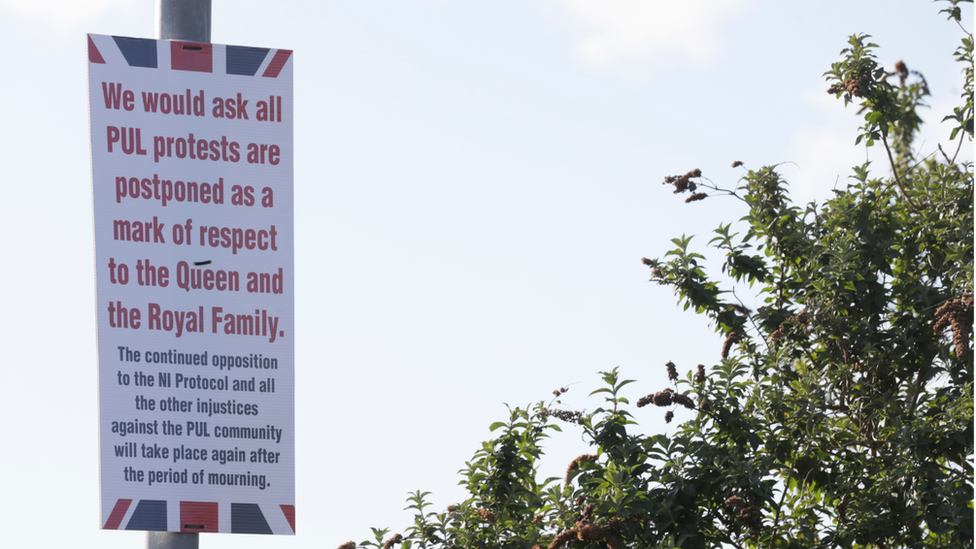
{"x": 180, "y": 20}
{"x": 183, "y": 20}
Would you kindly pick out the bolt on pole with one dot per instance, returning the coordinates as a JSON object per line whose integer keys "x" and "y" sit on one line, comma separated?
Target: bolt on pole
{"x": 180, "y": 20}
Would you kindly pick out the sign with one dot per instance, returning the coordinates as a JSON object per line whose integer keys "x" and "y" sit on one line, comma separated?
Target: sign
{"x": 192, "y": 174}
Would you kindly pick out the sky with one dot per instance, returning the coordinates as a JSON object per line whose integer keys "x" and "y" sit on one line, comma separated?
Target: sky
{"x": 475, "y": 182}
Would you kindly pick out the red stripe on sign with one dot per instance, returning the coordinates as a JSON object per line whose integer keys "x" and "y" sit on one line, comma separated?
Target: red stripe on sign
{"x": 191, "y": 56}
{"x": 121, "y": 506}
{"x": 276, "y": 64}
{"x": 289, "y": 511}
{"x": 198, "y": 516}
{"x": 94, "y": 56}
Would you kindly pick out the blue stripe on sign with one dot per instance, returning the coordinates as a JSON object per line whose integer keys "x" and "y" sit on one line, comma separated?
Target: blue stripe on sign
{"x": 138, "y": 52}
{"x": 150, "y": 514}
{"x": 244, "y": 60}
{"x": 246, "y": 518}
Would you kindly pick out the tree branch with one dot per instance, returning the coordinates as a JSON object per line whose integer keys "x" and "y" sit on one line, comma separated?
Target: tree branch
{"x": 894, "y": 170}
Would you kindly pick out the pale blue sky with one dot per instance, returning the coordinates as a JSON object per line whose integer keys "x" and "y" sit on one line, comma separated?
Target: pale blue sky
{"x": 476, "y": 183}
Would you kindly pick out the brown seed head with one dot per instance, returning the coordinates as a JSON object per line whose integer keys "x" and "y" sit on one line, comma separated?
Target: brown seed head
{"x": 563, "y": 538}
{"x": 486, "y": 515}
{"x": 801, "y": 317}
{"x": 683, "y": 183}
{"x": 857, "y": 86}
{"x": 668, "y": 416}
{"x": 750, "y": 515}
{"x": 737, "y": 163}
{"x": 752, "y": 518}
{"x": 730, "y": 340}
{"x": 590, "y": 532}
{"x": 663, "y": 398}
{"x": 569, "y": 416}
{"x": 696, "y": 197}
{"x": 683, "y": 400}
{"x": 575, "y": 464}
{"x": 700, "y": 375}
{"x": 660, "y": 398}
{"x": 735, "y": 501}
{"x": 348, "y": 545}
{"x": 958, "y": 314}
{"x": 672, "y": 371}
{"x": 901, "y": 69}
{"x": 393, "y": 541}
{"x": 618, "y": 525}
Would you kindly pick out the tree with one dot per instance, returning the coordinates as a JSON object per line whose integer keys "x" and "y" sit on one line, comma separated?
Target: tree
{"x": 840, "y": 412}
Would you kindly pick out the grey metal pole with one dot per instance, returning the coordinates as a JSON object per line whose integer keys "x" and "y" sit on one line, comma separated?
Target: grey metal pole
{"x": 183, "y": 20}
{"x": 172, "y": 540}
{"x": 180, "y": 20}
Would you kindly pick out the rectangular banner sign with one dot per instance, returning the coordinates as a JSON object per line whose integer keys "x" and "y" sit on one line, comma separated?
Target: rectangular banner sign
{"x": 192, "y": 175}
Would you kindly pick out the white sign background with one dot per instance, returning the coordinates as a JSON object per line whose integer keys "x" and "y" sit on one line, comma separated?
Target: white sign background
{"x": 185, "y": 445}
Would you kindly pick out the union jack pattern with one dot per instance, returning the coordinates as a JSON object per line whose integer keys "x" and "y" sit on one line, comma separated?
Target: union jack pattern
{"x": 187, "y": 56}
{"x": 195, "y": 516}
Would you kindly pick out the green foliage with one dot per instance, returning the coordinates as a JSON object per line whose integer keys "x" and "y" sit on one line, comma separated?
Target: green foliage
{"x": 840, "y": 413}
{"x": 963, "y": 115}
